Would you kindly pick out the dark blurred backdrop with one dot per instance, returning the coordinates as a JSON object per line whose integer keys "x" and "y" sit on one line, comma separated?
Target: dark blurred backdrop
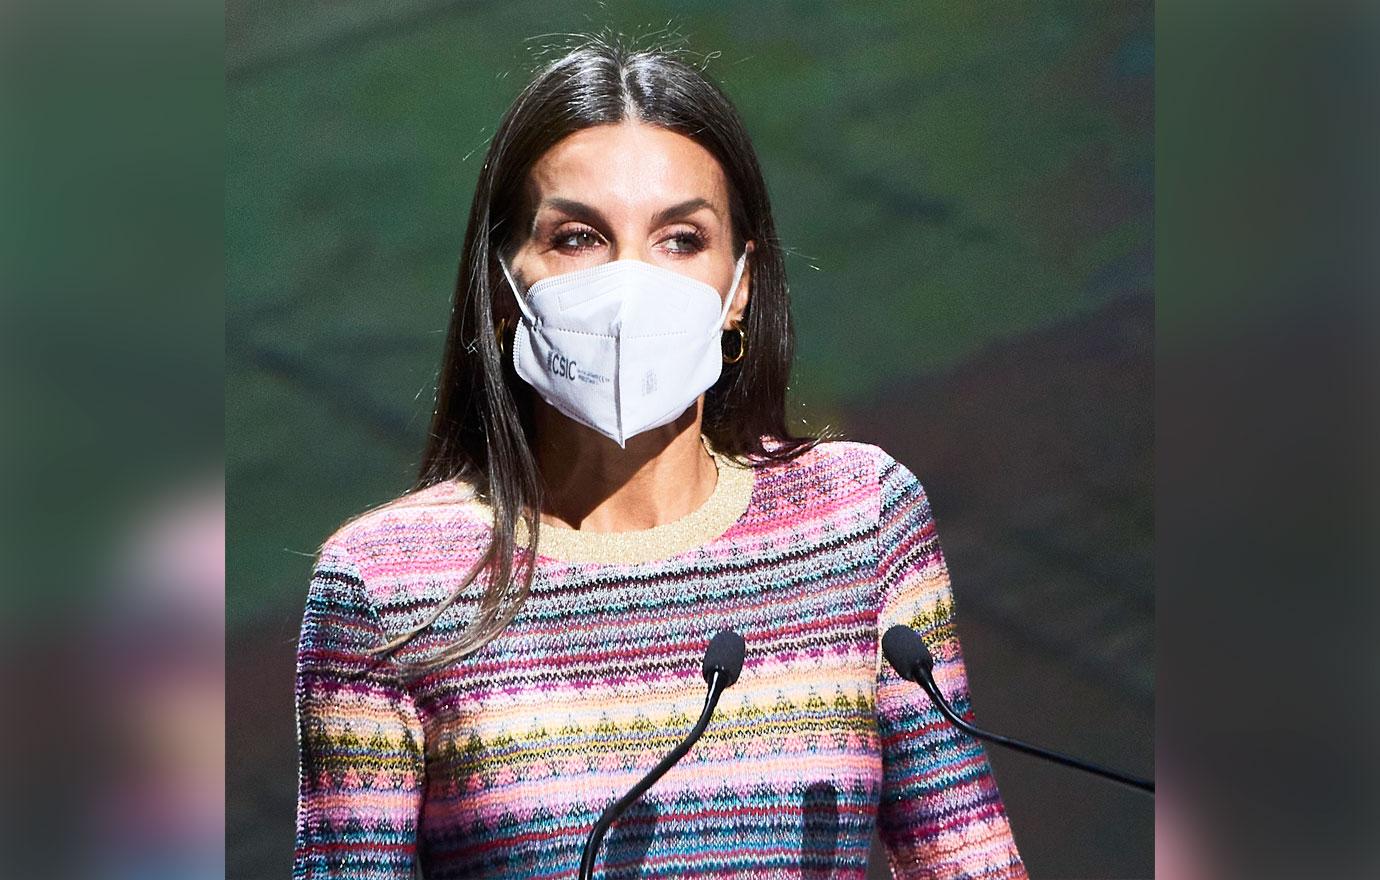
{"x": 966, "y": 192}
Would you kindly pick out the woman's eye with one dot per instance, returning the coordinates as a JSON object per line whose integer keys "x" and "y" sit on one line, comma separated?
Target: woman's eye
{"x": 687, "y": 242}
{"x": 576, "y": 240}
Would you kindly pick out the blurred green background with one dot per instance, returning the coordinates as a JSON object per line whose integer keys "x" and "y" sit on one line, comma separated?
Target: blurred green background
{"x": 966, "y": 194}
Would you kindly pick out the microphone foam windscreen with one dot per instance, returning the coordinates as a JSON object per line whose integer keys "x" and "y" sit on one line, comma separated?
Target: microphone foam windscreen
{"x": 725, "y": 654}
{"x": 904, "y": 649}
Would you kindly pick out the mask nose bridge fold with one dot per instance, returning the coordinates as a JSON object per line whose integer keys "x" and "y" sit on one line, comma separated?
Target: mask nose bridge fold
{"x": 635, "y": 288}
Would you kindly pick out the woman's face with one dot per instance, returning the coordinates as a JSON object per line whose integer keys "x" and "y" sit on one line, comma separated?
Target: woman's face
{"x": 630, "y": 191}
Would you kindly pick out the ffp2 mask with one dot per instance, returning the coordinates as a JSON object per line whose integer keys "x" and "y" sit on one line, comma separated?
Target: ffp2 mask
{"x": 621, "y": 347}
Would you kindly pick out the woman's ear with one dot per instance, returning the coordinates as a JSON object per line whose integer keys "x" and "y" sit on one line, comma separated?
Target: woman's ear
{"x": 740, "y": 296}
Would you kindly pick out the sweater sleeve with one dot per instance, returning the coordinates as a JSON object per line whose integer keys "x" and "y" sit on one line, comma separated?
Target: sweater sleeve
{"x": 941, "y": 816}
{"x": 359, "y": 739}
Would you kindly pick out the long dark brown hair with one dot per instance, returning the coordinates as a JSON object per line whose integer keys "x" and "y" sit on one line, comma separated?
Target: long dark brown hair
{"x": 482, "y": 428}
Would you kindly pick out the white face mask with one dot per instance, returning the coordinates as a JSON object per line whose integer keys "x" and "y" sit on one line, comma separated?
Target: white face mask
{"x": 622, "y": 347}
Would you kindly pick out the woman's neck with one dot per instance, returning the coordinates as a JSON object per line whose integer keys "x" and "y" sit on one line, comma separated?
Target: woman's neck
{"x": 593, "y": 485}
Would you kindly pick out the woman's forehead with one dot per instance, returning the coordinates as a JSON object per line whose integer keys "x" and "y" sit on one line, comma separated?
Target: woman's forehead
{"x": 628, "y": 167}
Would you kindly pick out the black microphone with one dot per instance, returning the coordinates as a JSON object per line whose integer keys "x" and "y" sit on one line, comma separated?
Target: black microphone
{"x": 907, "y": 654}
{"x": 723, "y": 662}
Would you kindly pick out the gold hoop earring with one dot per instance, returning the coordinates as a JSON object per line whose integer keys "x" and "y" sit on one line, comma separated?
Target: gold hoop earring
{"x": 742, "y": 346}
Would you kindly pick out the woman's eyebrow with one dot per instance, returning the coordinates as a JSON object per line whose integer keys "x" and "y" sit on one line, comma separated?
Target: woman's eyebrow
{"x": 681, "y": 209}
{"x": 580, "y": 209}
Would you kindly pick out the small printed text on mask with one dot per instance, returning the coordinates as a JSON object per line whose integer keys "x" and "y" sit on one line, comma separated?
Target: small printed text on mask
{"x": 564, "y": 367}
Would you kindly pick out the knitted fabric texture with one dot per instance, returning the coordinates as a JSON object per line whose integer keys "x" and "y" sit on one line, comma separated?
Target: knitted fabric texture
{"x": 497, "y": 766}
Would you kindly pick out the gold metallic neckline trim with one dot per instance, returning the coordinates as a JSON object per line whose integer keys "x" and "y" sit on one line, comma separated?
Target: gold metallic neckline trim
{"x": 725, "y": 506}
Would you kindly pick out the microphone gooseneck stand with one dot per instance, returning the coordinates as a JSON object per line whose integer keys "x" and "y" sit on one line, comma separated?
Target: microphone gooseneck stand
{"x": 723, "y": 662}
{"x": 907, "y": 654}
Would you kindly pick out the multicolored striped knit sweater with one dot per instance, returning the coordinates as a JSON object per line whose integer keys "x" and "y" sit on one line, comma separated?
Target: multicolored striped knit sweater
{"x": 497, "y": 766}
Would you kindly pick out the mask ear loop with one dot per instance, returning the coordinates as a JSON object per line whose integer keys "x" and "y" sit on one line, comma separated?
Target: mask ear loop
{"x": 521, "y": 298}
{"x": 732, "y": 289}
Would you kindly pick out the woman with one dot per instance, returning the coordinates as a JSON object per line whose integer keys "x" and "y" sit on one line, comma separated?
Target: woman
{"x": 491, "y": 659}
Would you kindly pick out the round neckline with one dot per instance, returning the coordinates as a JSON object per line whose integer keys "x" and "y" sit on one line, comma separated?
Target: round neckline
{"x": 725, "y": 505}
